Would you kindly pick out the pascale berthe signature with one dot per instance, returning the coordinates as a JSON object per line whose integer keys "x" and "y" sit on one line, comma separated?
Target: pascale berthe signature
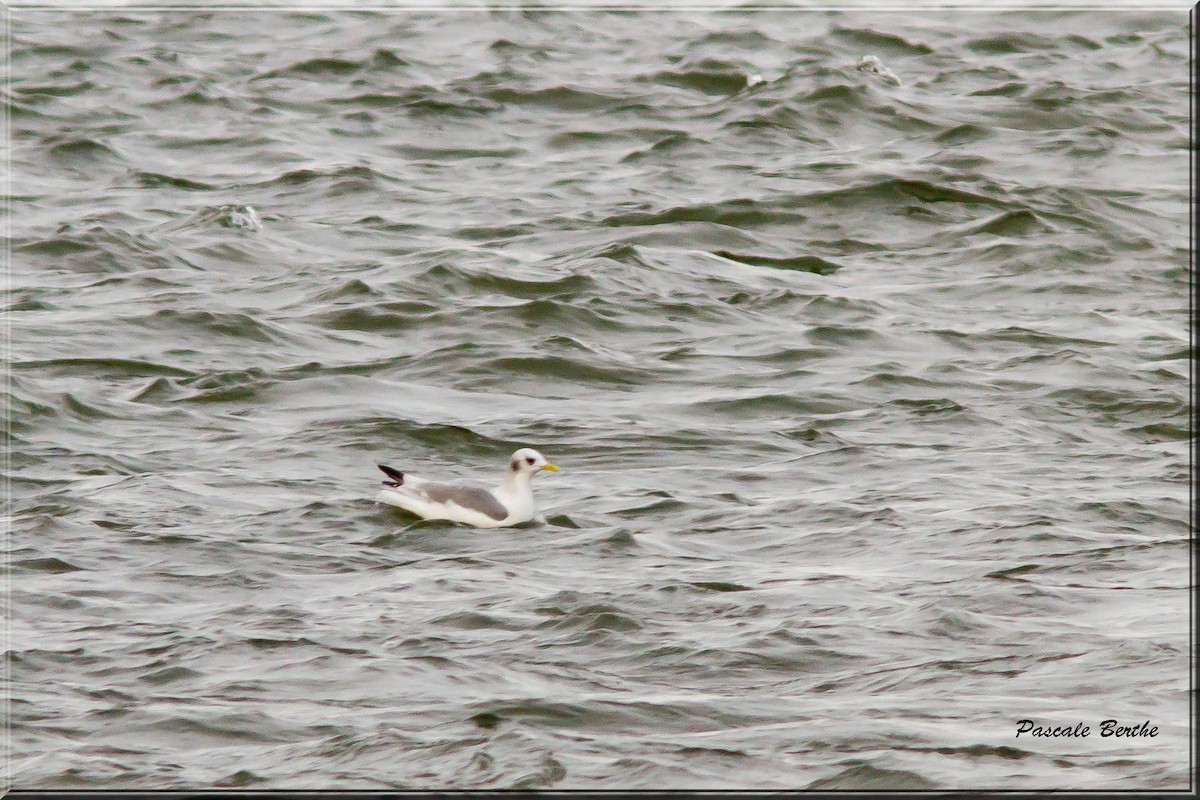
{"x": 1108, "y": 728}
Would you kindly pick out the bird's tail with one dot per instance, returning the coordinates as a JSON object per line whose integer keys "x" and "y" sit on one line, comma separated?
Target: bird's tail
{"x": 397, "y": 477}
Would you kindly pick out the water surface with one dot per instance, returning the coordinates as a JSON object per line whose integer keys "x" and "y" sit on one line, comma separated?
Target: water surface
{"x": 871, "y": 399}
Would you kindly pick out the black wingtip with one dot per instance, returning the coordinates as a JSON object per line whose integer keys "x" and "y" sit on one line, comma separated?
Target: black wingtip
{"x": 396, "y": 475}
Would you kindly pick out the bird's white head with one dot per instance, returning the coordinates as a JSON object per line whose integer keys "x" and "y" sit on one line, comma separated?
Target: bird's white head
{"x": 528, "y": 462}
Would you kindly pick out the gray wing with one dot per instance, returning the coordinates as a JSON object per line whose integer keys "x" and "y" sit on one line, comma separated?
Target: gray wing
{"x": 466, "y": 495}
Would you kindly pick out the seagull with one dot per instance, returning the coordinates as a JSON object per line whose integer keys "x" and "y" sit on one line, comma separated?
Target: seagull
{"x": 510, "y": 503}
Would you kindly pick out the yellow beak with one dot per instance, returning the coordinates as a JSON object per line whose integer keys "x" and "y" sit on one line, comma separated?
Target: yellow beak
{"x": 550, "y": 467}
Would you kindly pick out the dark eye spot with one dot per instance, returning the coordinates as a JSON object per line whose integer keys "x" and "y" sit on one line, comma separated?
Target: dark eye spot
{"x": 516, "y": 465}
{"x": 528, "y": 460}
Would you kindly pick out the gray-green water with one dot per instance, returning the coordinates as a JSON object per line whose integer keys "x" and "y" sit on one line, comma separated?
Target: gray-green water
{"x": 871, "y": 399}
